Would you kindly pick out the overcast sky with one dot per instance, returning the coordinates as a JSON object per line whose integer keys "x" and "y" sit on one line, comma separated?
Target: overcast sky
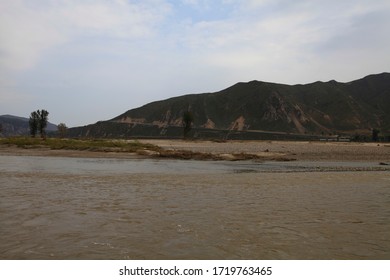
{"x": 91, "y": 60}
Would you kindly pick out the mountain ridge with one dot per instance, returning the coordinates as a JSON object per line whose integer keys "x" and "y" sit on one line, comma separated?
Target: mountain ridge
{"x": 320, "y": 108}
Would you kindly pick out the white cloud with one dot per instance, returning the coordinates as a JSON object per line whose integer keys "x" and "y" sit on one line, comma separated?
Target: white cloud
{"x": 127, "y": 53}
{"x": 24, "y": 35}
{"x": 117, "y": 18}
{"x": 27, "y": 31}
{"x": 290, "y": 35}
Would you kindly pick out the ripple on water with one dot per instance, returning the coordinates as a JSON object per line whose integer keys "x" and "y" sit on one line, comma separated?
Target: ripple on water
{"x": 107, "y": 210}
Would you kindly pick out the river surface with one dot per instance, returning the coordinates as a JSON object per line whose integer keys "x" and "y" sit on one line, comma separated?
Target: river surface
{"x": 93, "y": 208}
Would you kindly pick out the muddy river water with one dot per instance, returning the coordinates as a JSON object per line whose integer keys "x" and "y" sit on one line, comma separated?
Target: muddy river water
{"x": 93, "y": 208}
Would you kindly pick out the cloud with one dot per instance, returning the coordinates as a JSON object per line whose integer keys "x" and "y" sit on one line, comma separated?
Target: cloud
{"x": 27, "y": 31}
{"x": 119, "y": 18}
{"x": 242, "y": 33}
{"x": 24, "y": 35}
{"x": 264, "y": 36}
{"x": 123, "y": 53}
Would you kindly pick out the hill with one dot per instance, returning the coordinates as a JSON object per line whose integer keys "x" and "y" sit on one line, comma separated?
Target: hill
{"x": 320, "y": 108}
{"x": 16, "y": 126}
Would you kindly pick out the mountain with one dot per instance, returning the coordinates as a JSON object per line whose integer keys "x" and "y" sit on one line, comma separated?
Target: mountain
{"x": 320, "y": 108}
{"x": 15, "y": 126}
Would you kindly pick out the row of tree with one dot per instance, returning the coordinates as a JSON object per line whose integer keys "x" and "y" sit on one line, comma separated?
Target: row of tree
{"x": 38, "y": 122}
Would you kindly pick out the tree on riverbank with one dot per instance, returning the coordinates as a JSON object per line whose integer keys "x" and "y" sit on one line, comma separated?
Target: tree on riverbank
{"x": 43, "y": 118}
{"x": 188, "y": 119}
{"x": 33, "y": 123}
{"x": 62, "y": 130}
{"x": 38, "y": 121}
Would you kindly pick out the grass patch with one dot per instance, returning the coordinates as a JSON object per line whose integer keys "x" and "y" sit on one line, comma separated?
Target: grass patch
{"x": 122, "y": 146}
{"x": 98, "y": 145}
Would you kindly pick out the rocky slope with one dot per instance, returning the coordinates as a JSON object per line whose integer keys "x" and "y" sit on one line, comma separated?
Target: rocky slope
{"x": 320, "y": 108}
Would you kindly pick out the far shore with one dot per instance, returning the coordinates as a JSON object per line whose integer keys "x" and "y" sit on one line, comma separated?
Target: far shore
{"x": 228, "y": 150}
{"x": 296, "y": 150}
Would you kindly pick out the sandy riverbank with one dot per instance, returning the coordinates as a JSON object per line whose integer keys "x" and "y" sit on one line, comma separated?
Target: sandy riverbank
{"x": 232, "y": 150}
{"x": 313, "y": 151}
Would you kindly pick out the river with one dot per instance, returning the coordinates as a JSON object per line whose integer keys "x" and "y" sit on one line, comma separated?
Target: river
{"x": 94, "y": 208}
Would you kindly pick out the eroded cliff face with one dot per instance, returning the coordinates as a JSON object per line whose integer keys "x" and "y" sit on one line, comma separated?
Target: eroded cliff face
{"x": 300, "y": 117}
{"x": 209, "y": 124}
{"x": 167, "y": 119}
{"x": 275, "y": 109}
{"x": 278, "y": 109}
{"x": 130, "y": 120}
{"x": 238, "y": 124}
{"x": 297, "y": 118}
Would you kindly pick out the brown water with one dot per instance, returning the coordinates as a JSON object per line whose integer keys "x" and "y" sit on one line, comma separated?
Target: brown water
{"x": 67, "y": 208}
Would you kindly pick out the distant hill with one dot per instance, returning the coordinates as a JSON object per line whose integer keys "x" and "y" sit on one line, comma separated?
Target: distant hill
{"x": 16, "y": 126}
{"x": 320, "y": 108}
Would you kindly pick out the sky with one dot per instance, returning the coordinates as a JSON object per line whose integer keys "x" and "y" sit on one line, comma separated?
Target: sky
{"x": 91, "y": 60}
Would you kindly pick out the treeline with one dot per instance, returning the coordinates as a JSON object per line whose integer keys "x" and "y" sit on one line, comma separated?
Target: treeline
{"x": 38, "y": 122}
